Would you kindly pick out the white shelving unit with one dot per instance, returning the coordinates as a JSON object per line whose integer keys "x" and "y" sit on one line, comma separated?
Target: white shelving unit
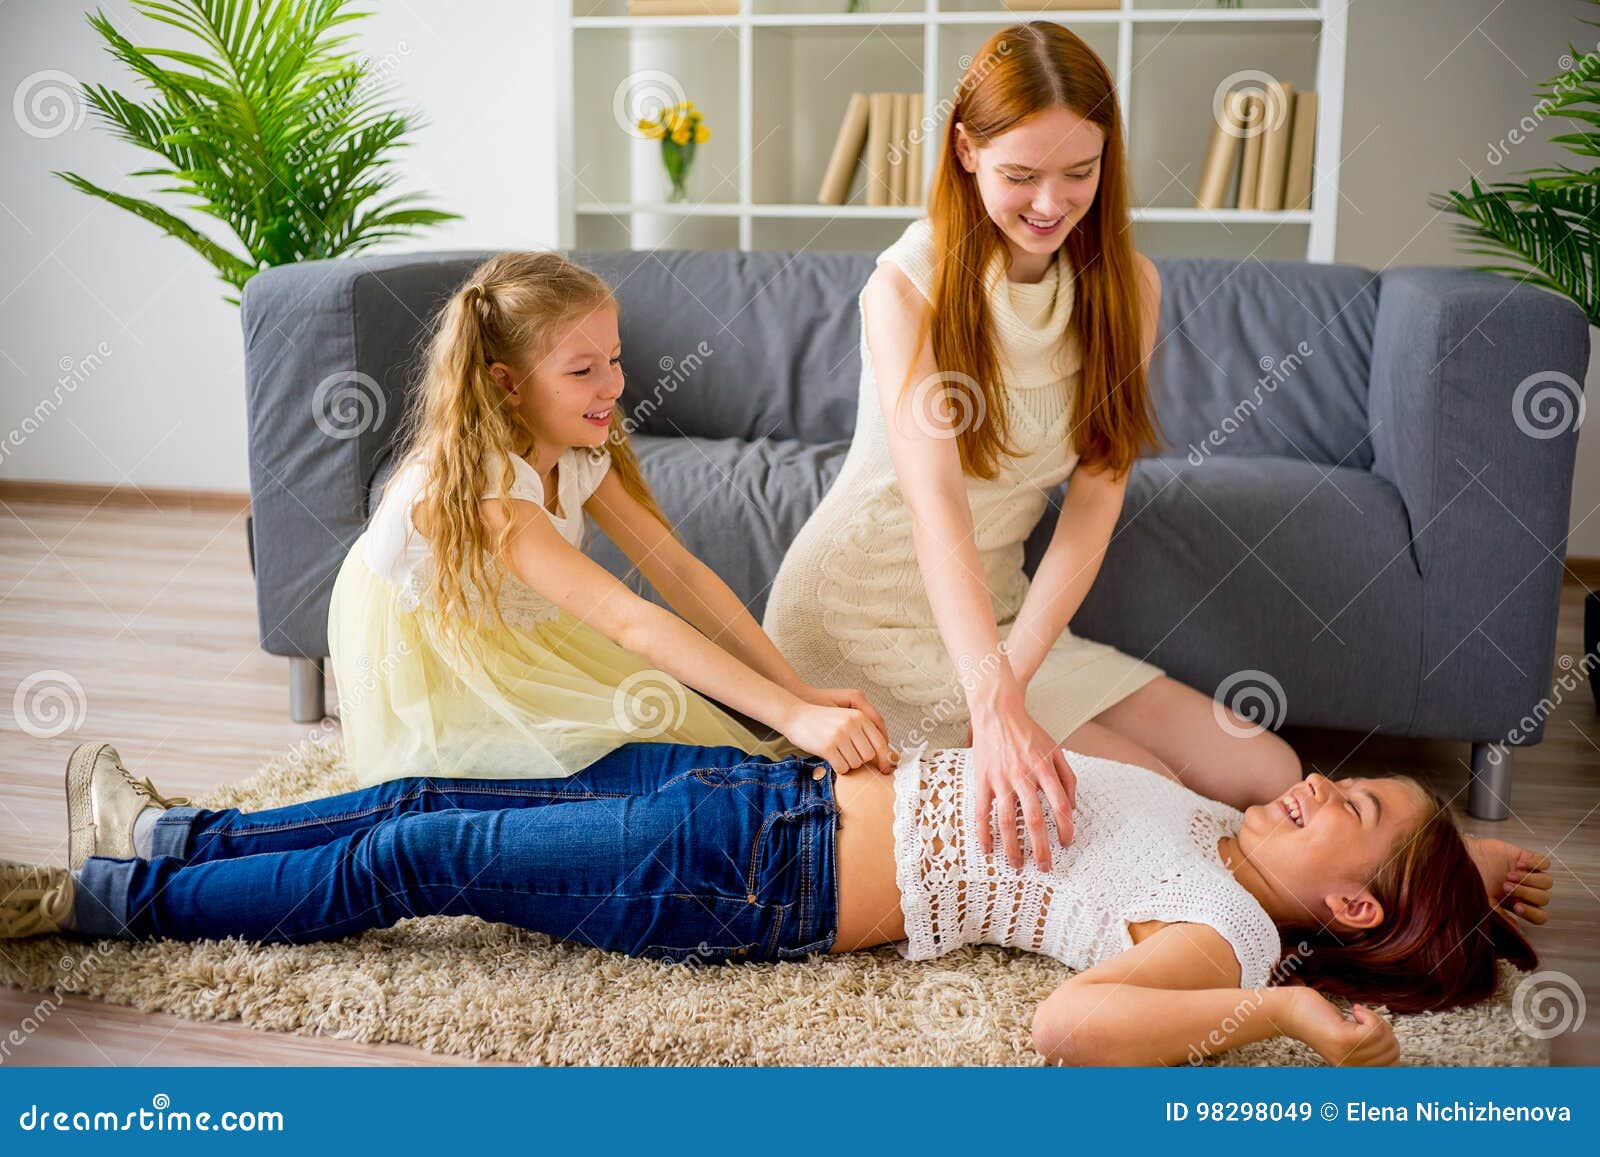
{"x": 771, "y": 136}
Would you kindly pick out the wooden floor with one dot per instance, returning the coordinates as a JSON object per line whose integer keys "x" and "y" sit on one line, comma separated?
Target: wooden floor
{"x": 152, "y": 613}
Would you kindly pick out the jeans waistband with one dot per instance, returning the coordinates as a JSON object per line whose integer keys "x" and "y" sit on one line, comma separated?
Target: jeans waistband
{"x": 799, "y": 864}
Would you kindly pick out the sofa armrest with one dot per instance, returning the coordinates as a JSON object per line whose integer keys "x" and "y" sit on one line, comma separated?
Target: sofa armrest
{"x": 305, "y": 395}
{"x": 1484, "y": 468}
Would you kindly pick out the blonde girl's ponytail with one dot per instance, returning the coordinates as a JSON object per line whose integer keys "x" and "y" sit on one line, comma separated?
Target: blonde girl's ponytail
{"x": 513, "y": 308}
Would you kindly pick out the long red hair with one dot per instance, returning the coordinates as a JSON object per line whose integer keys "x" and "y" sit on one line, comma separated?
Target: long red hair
{"x": 1439, "y": 944}
{"x": 1019, "y": 72}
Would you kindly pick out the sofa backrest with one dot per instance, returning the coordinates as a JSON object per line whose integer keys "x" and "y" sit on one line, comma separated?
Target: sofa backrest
{"x": 730, "y": 344}
{"x": 1235, "y": 335}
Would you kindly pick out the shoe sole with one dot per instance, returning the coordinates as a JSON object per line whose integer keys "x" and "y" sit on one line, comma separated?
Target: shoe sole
{"x": 80, "y": 804}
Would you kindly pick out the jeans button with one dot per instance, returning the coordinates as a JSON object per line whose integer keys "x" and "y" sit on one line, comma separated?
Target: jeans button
{"x": 819, "y": 773}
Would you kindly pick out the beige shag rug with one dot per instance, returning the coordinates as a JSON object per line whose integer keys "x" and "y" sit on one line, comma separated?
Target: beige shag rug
{"x": 490, "y": 991}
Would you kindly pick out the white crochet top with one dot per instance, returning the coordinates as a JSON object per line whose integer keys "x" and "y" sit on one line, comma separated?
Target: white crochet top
{"x": 395, "y": 550}
{"x": 1144, "y": 848}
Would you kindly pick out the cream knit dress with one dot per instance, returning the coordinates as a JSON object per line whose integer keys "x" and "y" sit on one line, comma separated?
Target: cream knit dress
{"x": 849, "y": 608}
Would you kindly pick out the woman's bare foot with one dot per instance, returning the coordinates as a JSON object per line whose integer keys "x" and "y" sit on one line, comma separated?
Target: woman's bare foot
{"x": 1514, "y": 877}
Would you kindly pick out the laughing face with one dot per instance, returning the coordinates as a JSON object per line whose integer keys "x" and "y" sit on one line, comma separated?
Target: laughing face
{"x": 1320, "y": 844}
{"x": 1037, "y": 180}
{"x": 568, "y": 395}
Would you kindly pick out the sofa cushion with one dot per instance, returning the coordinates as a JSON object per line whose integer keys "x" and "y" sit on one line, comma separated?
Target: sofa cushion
{"x": 1270, "y": 564}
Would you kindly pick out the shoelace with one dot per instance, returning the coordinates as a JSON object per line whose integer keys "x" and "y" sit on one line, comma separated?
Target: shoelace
{"x": 35, "y": 902}
{"x": 147, "y": 789}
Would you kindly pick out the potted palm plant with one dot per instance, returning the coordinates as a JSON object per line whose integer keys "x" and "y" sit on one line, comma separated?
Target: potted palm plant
{"x": 268, "y": 125}
{"x": 1547, "y": 226}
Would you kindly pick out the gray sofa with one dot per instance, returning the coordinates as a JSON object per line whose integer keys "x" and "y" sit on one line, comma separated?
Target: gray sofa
{"x": 1348, "y": 508}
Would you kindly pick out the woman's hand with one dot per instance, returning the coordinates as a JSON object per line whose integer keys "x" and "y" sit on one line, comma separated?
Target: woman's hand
{"x": 1366, "y": 1040}
{"x": 853, "y": 698}
{"x": 1014, "y": 759}
{"x": 845, "y": 736}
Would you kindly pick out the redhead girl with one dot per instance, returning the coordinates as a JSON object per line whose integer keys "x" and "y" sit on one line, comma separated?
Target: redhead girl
{"x": 471, "y": 636}
{"x": 1006, "y": 338}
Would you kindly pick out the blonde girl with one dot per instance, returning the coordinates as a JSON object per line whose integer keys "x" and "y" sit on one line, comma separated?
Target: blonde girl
{"x": 469, "y": 633}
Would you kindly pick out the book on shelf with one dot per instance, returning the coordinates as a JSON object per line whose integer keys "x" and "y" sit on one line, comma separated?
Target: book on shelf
{"x": 1275, "y": 145}
{"x": 846, "y": 152}
{"x": 897, "y": 149}
{"x": 1253, "y": 110}
{"x": 1267, "y": 138}
{"x": 683, "y": 7}
{"x": 914, "y": 188}
{"x": 1216, "y": 172}
{"x": 879, "y": 112}
{"x": 881, "y": 132}
{"x": 1302, "y": 139}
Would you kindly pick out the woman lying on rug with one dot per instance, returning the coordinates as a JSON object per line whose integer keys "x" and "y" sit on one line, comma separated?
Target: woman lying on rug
{"x": 1183, "y": 915}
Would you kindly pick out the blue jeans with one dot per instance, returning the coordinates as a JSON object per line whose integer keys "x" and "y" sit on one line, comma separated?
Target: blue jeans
{"x": 662, "y": 850}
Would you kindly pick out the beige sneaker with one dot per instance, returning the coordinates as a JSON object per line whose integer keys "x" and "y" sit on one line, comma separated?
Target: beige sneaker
{"x": 103, "y": 800}
{"x": 34, "y": 901}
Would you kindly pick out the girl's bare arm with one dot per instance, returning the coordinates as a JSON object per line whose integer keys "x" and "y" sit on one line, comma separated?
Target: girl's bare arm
{"x": 691, "y": 587}
{"x": 577, "y": 584}
{"x": 1174, "y": 998}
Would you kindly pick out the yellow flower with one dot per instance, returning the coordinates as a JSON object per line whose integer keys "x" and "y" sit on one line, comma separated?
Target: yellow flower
{"x": 650, "y": 129}
{"x": 680, "y": 135}
{"x": 701, "y": 134}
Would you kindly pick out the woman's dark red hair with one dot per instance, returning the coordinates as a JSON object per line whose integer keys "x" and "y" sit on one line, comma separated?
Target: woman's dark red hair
{"x": 1440, "y": 941}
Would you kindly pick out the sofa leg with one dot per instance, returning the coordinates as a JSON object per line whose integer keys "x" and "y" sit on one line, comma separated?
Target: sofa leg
{"x": 1489, "y": 795}
{"x": 307, "y": 691}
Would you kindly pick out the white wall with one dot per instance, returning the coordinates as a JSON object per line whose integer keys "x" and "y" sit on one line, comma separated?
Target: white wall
{"x": 122, "y": 330}
{"x": 1433, "y": 85}
{"x": 1435, "y": 91}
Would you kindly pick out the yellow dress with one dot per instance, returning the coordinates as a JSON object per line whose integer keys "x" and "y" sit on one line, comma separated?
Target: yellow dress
{"x": 545, "y": 696}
